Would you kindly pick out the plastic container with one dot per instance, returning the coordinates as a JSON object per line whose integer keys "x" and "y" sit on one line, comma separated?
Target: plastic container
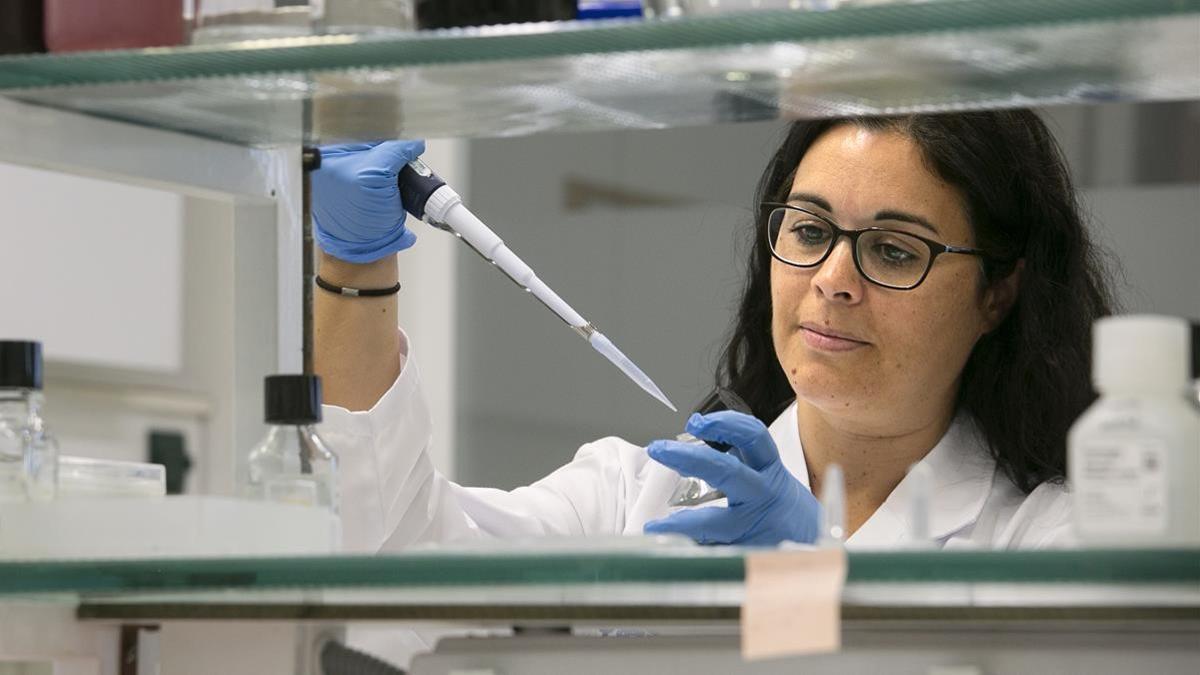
{"x": 1134, "y": 456}
{"x": 21, "y": 27}
{"x": 80, "y": 25}
{"x": 608, "y": 9}
{"x": 86, "y": 477}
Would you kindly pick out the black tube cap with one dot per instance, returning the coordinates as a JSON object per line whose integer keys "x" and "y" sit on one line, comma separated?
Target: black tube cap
{"x": 20, "y": 364}
{"x": 292, "y": 399}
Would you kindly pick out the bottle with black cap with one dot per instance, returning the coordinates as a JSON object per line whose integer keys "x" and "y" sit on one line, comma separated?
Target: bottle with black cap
{"x": 28, "y": 452}
{"x": 292, "y": 464}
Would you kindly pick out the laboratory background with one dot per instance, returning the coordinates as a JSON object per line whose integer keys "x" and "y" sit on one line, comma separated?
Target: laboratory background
{"x": 156, "y": 163}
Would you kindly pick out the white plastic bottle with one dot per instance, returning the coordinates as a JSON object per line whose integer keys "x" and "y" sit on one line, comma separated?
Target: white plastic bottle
{"x": 1134, "y": 456}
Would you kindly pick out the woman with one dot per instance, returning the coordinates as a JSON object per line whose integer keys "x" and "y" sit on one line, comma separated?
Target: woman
{"x": 920, "y": 290}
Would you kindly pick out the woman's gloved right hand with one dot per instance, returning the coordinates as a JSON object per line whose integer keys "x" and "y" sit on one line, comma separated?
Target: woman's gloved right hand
{"x": 767, "y": 504}
{"x": 356, "y": 210}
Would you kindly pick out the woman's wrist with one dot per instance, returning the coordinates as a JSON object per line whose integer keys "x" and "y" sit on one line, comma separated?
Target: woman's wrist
{"x": 382, "y": 273}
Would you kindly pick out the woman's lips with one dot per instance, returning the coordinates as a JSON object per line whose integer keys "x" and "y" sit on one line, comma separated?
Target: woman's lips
{"x": 826, "y": 340}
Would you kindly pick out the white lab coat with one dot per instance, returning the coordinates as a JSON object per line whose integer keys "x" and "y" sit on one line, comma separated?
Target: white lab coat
{"x": 393, "y": 496}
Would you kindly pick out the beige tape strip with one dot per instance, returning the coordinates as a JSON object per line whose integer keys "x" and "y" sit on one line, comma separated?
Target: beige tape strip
{"x": 793, "y": 602}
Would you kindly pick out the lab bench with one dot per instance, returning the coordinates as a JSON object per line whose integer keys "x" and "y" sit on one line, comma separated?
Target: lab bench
{"x": 593, "y": 611}
{"x": 228, "y": 122}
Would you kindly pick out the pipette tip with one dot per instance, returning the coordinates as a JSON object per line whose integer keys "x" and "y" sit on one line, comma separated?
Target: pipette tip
{"x": 656, "y": 393}
{"x": 609, "y": 350}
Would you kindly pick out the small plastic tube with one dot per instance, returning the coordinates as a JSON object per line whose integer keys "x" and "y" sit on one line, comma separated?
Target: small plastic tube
{"x": 833, "y": 507}
{"x": 920, "y": 478}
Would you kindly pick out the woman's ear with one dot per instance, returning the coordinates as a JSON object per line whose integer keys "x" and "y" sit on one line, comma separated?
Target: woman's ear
{"x": 1000, "y": 297}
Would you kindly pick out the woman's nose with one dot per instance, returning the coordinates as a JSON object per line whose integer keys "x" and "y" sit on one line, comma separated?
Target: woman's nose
{"x": 837, "y": 278}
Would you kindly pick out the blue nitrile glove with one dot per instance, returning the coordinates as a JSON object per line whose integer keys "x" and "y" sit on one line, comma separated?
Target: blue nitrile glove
{"x": 767, "y": 505}
{"x": 356, "y": 209}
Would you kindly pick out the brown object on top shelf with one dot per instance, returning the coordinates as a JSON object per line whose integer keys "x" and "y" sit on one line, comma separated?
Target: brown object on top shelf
{"x": 461, "y": 13}
{"x": 21, "y": 27}
{"x": 79, "y": 25}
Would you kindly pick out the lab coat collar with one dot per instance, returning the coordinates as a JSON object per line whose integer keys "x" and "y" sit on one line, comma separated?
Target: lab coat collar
{"x": 961, "y": 471}
{"x": 786, "y": 432}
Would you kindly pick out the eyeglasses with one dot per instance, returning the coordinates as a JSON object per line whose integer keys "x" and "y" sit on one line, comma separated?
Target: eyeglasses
{"x": 888, "y": 258}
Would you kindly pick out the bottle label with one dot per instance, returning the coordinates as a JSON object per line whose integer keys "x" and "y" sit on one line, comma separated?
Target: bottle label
{"x": 1122, "y": 488}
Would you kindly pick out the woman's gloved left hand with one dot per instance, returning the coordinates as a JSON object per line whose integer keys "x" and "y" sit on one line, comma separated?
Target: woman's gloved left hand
{"x": 767, "y": 505}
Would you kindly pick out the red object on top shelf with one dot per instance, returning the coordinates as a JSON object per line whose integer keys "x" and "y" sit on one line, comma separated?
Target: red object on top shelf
{"x": 78, "y": 25}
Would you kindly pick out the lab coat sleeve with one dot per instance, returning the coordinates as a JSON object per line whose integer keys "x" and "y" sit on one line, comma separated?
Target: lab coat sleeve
{"x": 588, "y": 496}
{"x": 393, "y": 497}
{"x": 389, "y": 488}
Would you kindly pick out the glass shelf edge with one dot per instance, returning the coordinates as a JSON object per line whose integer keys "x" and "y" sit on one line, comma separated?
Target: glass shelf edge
{"x": 1032, "y": 567}
{"x": 341, "y": 52}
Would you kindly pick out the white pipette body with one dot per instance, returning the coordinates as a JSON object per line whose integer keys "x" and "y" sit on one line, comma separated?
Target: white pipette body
{"x": 443, "y": 208}
{"x": 481, "y": 238}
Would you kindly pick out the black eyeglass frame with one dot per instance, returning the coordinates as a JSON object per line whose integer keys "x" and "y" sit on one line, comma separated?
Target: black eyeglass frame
{"x": 936, "y": 248}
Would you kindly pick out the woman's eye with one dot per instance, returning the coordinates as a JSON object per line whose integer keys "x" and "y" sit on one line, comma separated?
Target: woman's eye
{"x": 808, "y": 233}
{"x": 892, "y": 254}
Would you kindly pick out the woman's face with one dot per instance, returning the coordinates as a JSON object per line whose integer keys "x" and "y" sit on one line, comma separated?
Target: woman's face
{"x": 884, "y": 359}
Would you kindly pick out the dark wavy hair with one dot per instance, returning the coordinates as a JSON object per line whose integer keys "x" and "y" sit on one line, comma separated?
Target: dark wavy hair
{"x": 1027, "y": 380}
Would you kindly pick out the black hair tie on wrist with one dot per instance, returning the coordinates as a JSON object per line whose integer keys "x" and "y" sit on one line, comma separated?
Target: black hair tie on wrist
{"x": 357, "y": 292}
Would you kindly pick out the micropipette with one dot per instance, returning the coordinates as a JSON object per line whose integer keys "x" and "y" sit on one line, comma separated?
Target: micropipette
{"x": 427, "y": 197}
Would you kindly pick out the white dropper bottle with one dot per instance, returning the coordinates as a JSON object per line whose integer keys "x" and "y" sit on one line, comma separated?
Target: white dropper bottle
{"x": 1134, "y": 456}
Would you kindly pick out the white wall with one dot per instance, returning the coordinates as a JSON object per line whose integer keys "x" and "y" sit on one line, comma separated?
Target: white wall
{"x": 140, "y": 319}
{"x": 93, "y": 269}
{"x": 1154, "y": 233}
{"x": 641, "y": 232}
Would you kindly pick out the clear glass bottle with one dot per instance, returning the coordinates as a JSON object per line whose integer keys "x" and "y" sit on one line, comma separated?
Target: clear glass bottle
{"x": 292, "y": 464}
{"x": 222, "y": 21}
{"x": 28, "y": 452}
{"x": 363, "y": 16}
{"x": 1134, "y": 456}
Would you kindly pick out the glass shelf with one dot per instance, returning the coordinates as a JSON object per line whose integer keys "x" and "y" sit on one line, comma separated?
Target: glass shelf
{"x": 679, "y": 582}
{"x": 511, "y": 81}
{"x": 684, "y": 564}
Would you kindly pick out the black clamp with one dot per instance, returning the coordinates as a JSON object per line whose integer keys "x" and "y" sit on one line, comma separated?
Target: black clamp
{"x": 310, "y": 158}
